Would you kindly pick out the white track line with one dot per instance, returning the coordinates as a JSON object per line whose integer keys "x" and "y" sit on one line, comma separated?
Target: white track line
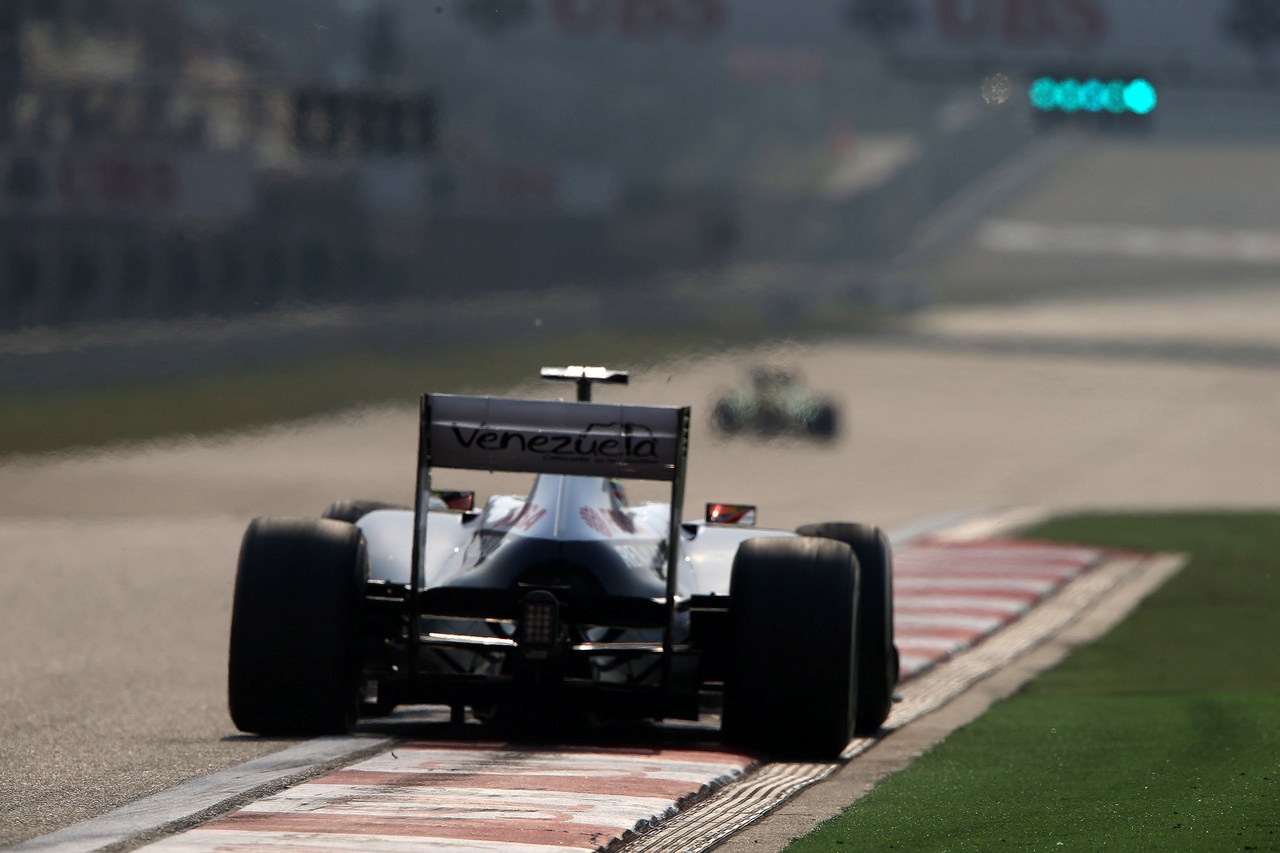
{"x": 1137, "y": 241}
{"x": 188, "y": 802}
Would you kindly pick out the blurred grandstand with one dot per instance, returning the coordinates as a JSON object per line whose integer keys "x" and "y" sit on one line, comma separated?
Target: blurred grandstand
{"x": 173, "y": 158}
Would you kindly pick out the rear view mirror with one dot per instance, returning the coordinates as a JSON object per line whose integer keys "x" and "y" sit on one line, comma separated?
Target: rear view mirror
{"x": 739, "y": 514}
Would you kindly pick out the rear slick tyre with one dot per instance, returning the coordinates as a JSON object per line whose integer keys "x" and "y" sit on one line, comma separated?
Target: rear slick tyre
{"x": 877, "y": 654}
{"x": 789, "y": 688}
{"x": 294, "y": 667}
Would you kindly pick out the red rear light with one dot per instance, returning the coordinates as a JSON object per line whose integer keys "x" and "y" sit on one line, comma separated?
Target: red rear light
{"x": 539, "y": 624}
{"x": 742, "y": 514}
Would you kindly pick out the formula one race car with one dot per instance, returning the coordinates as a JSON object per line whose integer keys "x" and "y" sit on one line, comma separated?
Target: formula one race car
{"x": 775, "y": 402}
{"x": 567, "y": 601}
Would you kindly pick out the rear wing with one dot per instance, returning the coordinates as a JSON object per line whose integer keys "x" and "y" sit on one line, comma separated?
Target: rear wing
{"x": 553, "y": 437}
{"x": 550, "y": 437}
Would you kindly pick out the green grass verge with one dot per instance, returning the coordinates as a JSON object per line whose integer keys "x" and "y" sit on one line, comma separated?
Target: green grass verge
{"x": 1163, "y": 735}
{"x": 229, "y": 400}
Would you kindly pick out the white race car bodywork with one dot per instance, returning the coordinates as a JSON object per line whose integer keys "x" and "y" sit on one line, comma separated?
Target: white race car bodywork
{"x": 566, "y": 514}
{"x": 566, "y": 508}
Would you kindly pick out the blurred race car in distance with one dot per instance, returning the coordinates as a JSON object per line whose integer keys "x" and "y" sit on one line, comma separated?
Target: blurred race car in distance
{"x": 775, "y": 402}
{"x": 568, "y": 603}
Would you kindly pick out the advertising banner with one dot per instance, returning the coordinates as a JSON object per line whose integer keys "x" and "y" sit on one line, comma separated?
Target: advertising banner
{"x": 1211, "y": 40}
{"x": 115, "y": 182}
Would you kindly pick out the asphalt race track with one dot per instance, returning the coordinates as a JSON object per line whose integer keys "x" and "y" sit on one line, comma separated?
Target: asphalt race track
{"x": 116, "y": 593}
